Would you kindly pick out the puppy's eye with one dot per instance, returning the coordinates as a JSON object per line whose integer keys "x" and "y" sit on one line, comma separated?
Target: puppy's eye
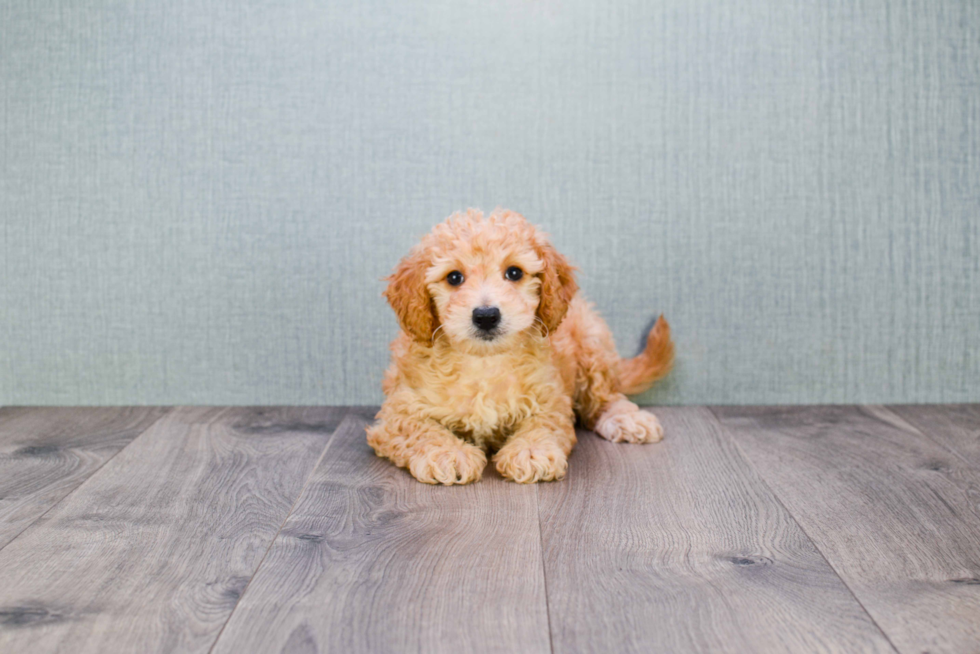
{"x": 514, "y": 273}
{"x": 455, "y": 278}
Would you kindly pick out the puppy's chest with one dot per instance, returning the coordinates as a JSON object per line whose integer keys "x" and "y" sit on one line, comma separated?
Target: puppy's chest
{"x": 485, "y": 398}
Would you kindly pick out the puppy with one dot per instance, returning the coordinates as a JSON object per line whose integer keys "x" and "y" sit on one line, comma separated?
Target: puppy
{"x": 498, "y": 352}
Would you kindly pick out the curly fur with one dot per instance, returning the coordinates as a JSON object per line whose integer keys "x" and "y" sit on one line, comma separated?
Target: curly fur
{"x": 452, "y": 396}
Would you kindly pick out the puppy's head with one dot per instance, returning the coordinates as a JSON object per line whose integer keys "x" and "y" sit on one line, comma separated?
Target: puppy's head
{"x": 481, "y": 282}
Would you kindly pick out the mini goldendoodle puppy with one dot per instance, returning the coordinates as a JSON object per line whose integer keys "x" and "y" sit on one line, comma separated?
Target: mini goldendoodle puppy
{"x": 499, "y": 352}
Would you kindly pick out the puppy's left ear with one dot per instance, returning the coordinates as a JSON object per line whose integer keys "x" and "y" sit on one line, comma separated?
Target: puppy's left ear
{"x": 558, "y": 285}
{"x": 409, "y": 297}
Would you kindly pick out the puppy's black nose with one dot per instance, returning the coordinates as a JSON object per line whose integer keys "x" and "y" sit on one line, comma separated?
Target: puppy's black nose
{"x": 486, "y": 318}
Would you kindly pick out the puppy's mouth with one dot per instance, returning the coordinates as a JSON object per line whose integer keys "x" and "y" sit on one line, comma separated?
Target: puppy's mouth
{"x": 488, "y": 335}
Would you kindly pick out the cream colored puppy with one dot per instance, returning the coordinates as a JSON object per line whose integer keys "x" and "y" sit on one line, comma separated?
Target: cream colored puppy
{"x": 498, "y": 352}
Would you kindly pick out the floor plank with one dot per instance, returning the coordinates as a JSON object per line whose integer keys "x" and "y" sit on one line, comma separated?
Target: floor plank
{"x": 955, "y": 425}
{"x": 371, "y": 560}
{"x": 47, "y": 452}
{"x": 680, "y": 547}
{"x": 894, "y": 513}
{"x": 153, "y": 552}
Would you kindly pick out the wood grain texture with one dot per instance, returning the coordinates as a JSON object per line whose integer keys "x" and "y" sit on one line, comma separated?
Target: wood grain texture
{"x": 153, "y": 552}
{"x": 45, "y": 453}
{"x": 370, "y": 560}
{"x": 956, "y": 426}
{"x": 680, "y": 547}
{"x": 896, "y": 514}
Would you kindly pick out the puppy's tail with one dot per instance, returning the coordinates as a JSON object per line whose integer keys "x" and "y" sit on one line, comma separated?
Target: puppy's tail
{"x": 654, "y": 362}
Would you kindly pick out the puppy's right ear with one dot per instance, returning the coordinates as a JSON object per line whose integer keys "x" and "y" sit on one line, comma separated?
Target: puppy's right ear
{"x": 410, "y": 299}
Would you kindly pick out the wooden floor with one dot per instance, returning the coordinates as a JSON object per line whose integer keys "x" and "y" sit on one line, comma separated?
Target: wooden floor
{"x": 802, "y": 529}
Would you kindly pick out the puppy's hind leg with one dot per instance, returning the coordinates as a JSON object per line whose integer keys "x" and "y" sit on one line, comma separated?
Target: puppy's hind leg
{"x": 624, "y": 422}
{"x": 610, "y": 414}
{"x": 603, "y": 379}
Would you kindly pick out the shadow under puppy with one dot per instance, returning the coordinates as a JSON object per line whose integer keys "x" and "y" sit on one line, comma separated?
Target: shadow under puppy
{"x": 499, "y": 352}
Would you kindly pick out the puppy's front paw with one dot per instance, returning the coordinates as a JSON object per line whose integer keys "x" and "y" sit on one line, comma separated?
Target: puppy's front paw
{"x": 624, "y": 422}
{"x": 526, "y": 461}
{"x": 448, "y": 464}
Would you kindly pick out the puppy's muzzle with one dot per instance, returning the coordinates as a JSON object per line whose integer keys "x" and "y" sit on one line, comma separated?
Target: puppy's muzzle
{"x": 486, "y": 319}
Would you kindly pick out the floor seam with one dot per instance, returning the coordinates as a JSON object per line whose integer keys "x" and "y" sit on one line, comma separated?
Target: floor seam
{"x": 544, "y": 568}
{"x": 167, "y": 411}
{"x": 734, "y": 441}
{"x": 915, "y": 427}
{"x": 272, "y": 542}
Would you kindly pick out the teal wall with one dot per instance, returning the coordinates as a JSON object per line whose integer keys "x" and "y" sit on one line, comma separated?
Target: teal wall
{"x": 198, "y": 198}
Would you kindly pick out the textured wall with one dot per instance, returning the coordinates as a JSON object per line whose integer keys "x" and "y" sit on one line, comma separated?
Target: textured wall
{"x": 198, "y": 198}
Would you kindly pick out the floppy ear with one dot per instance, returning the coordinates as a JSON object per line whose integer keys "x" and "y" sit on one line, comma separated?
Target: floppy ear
{"x": 558, "y": 286}
{"x": 410, "y": 299}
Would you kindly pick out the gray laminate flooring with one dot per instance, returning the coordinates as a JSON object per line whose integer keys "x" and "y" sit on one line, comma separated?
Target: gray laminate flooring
{"x": 276, "y": 529}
